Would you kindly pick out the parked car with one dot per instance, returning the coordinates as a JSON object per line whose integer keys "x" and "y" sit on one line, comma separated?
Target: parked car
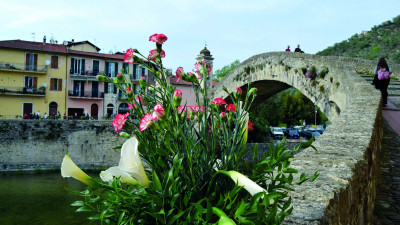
{"x": 310, "y": 133}
{"x": 291, "y": 133}
{"x": 276, "y": 133}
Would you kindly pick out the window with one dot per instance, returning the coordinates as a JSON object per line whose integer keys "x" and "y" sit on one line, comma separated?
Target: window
{"x": 125, "y": 66}
{"x": 30, "y": 82}
{"x": 31, "y": 61}
{"x": 138, "y": 71}
{"x": 112, "y": 69}
{"x": 77, "y": 66}
{"x": 96, "y": 67}
{"x": 55, "y": 84}
{"x": 54, "y": 62}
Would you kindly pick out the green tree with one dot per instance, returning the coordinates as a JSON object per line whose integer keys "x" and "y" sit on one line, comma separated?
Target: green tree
{"x": 221, "y": 73}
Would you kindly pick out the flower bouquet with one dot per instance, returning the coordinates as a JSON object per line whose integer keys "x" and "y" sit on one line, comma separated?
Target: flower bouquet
{"x": 185, "y": 164}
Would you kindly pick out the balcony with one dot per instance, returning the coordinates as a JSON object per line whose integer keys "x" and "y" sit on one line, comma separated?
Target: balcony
{"x": 88, "y": 75}
{"x": 23, "y": 68}
{"x": 22, "y": 91}
{"x": 85, "y": 94}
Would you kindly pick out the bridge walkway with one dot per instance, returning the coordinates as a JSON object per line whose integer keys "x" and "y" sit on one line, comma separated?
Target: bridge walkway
{"x": 387, "y": 206}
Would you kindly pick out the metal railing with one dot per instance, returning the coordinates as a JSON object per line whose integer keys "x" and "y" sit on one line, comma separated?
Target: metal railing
{"x": 23, "y": 67}
{"x": 85, "y": 73}
{"x": 86, "y": 94}
{"x": 22, "y": 91}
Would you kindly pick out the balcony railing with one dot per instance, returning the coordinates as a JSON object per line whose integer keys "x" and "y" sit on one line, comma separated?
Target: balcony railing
{"x": 21, "y": 67}
{"x": 22, "y": 91}
{"x": 86, "y": 94}
{"x": 85, "y": 73}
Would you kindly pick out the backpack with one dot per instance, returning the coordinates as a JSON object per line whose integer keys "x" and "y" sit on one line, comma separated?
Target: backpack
{"x": 383, "y": 74}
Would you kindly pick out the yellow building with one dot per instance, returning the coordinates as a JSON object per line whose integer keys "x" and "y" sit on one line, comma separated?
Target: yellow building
{"x": 32, "y": 78}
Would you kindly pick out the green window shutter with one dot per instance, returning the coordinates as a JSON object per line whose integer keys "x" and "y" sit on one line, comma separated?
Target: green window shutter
{"x": 105, "y": 88}
{"x": 143, "y": 71}
{"x": 72, "y": 65}
{"x": 106, "y": 69}
{"x": 116, "y": 69}
{"x": 83, "y": 66}
{"x": 134, "y": 71}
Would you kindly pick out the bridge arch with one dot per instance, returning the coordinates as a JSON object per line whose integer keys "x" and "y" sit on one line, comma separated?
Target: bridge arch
{"x": 348, "y": 152}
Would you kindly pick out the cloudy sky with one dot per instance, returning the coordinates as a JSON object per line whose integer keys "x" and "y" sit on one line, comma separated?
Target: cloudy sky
{"x": 232, "y": 29}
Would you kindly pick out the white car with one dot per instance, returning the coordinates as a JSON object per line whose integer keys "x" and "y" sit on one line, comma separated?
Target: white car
{"x": 276, "y": 132}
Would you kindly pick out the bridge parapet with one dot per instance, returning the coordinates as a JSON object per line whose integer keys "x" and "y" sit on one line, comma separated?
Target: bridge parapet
{"x": 348, "y": 151}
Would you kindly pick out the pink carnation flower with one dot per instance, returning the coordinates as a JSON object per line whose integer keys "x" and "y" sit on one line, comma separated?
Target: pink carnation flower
{"x": 142, "y": 78}
{"x": 119, "y": 121}
{"x": 218, "y": 101}
{"x": 198, "y": 109}
{"x": 239, "y": 90}
{"x": 230, "y": 108}
{"x": 129, "y": 90}
{"x": 158, "y": 38}
{"x": 250, "y": 127}
{"x": 222, "y": 114}
{"x": 177, "y": 93}
{"x": 181, "y": 109}
{"x": 130, "y": 106}
{"x": 140, "y": 99}
{"x": 179, "y": 72}
{"x": 128, "y": 58}
{"x": 145, "y": 122}
{"x": 154, "y": 53}
{"x": 158, "y": 109}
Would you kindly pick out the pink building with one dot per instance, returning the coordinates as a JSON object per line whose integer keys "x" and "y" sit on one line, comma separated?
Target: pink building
{"x": 85, "y": 93}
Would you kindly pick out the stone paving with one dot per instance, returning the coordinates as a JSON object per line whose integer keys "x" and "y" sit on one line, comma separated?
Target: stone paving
{"x": 387, "y": 206}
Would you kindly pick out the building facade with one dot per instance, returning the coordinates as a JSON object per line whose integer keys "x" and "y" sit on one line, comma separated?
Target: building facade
{"x": 32, "y": 78}
{"x": 59, "y": 79}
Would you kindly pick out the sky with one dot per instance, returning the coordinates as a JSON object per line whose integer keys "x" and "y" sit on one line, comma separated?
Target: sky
{"x": 231, "y": 29}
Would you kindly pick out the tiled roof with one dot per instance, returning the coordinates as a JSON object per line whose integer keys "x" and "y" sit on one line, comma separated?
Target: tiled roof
{"x": 35, "y": 46}
{"x": 172, "y": 80}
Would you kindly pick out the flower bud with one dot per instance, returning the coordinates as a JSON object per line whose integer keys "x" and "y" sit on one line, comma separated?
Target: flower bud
{"x": 177, "y": 98}
{"x": 124, "y": 135}
{"x": 142, "y": 82}
{"x": 102, "y": 78}
{"x": 238, "y": 93}
{"x": 129, "y": 90}
{"x": 253, "y": 91}
{"x": 222, "y": 115}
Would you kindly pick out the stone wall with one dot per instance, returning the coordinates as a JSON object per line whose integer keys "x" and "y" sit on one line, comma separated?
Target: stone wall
{"x": 348, "y": 152}
{"x": 41, "y": 144}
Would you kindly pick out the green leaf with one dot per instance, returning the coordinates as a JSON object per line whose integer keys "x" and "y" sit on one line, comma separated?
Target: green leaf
{"x": 78, "y": 203}
{"x": 209, "y": 210}
{"x": 224, "y": 220}
{"x": 156, "y": 182}
{"x": 290, "y": 170}
{"x": 240, "y": 209}
{"x": 84, "y": 209}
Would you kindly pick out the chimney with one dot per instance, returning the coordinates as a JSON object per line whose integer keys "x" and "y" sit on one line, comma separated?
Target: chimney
{"x": 44, "y": 40}
{"x": 72, "y": 41}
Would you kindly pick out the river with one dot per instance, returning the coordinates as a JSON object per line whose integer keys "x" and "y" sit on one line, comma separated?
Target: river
{"x": 39, "y": 199}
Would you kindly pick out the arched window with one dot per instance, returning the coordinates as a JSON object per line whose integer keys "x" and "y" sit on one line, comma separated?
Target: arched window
{"x": 123, "y": 108}
{"x": 110, "y": 109}
{"x": 53, "y": 108}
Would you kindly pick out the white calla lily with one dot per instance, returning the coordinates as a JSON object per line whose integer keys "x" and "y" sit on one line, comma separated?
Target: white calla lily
{"x": 116, "y": 172}
{"x": 130, "y": 165}
{"x": 243, "y": 181}
{"x": 69, "y": 169}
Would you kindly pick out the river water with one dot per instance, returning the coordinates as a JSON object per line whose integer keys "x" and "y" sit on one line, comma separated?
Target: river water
{"x": 41, "y": 199}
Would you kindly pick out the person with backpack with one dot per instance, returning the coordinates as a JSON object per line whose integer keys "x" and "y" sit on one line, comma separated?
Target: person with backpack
{"x": 382, "y": 78}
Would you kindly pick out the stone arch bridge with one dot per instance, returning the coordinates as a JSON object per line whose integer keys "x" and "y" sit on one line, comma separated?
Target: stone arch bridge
{"x": 348, "y": 152}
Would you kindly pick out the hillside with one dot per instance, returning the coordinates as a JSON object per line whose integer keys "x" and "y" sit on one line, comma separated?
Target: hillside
{"x": 382, "y": 40}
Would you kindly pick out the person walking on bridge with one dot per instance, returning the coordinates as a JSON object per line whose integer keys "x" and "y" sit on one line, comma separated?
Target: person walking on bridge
{"x": 382, "y": 78}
